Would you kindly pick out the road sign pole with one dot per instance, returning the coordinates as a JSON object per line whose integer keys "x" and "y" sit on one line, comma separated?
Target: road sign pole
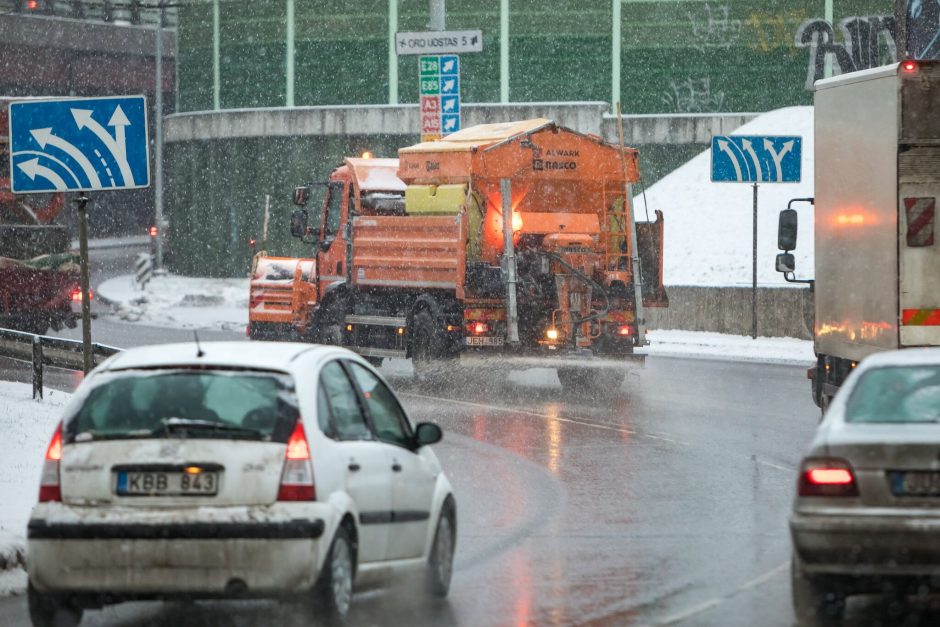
{"x": 754, "y": 274}
{"x": 86, "y": 302}
{"x": 158, "y": 148}
{"x": 438, "y": 15}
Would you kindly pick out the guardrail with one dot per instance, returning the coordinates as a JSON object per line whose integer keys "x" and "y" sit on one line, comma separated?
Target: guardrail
{"x": 55, "y": 352}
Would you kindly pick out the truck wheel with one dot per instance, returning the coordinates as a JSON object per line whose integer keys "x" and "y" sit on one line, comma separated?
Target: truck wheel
{"x": 425, "y": 349}
{"x": 46, "y": 610}
{"x": 815, "y": 600}
{"x": 602, "y": 382}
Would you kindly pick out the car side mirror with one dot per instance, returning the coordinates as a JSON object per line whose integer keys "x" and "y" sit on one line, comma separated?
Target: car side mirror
{"x": 427, "y": 433}
{"x": 786, "y": 263}
{"x": 301, "y": 195}
{"x": 298, "y": 223}
{"x": 786, "y": 230}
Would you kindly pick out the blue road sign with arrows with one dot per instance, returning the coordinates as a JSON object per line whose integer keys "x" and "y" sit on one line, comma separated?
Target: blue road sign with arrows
{"x": 79, "y": 144}
{"x": 756, "y": 159}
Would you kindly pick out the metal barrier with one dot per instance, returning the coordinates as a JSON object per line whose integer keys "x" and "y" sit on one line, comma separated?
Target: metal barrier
{"x": 42, "y": 350}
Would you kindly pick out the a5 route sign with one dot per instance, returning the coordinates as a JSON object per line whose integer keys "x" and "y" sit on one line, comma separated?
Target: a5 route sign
{"x": 439, "y": 83}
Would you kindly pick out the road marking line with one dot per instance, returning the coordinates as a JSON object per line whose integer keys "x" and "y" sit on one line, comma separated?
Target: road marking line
{"x": 524, "y": 412}
{"x": 773, "y": 465}
{"x": 707, "y": 605}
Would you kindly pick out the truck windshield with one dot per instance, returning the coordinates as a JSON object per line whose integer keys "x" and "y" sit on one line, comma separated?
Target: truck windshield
{"x": 186, "y": 403}
{"x": 896, "y": 394}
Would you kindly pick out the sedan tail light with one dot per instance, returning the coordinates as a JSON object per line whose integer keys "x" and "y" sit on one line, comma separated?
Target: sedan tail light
{"x": 297, "y": 476}
{"x": 49, "y": 487}
{"x": 827, "y": 477}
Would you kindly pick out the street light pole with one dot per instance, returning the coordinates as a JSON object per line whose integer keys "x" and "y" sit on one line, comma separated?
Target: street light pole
{"x": 438, "y": 15}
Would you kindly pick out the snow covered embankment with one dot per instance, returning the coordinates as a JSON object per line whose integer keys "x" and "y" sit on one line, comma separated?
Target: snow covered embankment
{"x": 26, "y": 427}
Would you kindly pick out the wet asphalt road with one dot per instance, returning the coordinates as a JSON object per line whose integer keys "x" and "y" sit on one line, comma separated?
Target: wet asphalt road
{"x": 664, "y": 504}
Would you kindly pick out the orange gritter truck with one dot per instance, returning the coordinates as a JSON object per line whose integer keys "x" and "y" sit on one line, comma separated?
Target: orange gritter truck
{"x": 412, "y": 257}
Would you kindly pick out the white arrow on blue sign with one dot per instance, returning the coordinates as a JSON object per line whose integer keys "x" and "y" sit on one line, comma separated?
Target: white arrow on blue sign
{"x": 756, "y": 159}
{"x": 79, "y": 144}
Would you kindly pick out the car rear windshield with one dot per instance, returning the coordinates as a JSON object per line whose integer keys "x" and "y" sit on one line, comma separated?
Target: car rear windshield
{"x": 896, "y": 394}
{"x": 222, "y": 404}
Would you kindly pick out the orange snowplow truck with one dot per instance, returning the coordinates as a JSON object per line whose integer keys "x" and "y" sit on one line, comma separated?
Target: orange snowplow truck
{"x": 413, "y": 257}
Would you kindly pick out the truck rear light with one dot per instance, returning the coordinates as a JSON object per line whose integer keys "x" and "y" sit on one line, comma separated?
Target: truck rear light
{"x": 551, "y": 334}
{"x": 624, "y": 330}
{"x": 49, "y": 487}
{"x": 909, "y": 66}
{"x": 76, "y": 295}
{"x": 827, "y": 477}
{"x": 297, "y": 475}
{"x": 477, "y": 328}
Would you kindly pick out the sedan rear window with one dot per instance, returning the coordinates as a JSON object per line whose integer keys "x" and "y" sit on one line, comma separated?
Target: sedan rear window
{"x": 187, "y": 403}
{"x": 896, "y": 394}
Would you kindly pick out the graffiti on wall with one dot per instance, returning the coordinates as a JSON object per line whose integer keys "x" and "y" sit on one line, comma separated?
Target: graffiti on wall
{"x": 923, "y": 29}
{"x": 713, "y": 27}
{"x": 866, "y": 42}
{"x": 693, "y": 95}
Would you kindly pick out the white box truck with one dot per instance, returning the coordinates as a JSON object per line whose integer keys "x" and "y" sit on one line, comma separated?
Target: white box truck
{"x": 877, "y": 170}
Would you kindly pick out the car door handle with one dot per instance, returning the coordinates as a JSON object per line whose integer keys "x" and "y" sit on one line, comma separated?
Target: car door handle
{"x": 354, "y": 467}
{"x": 396, "y": 467}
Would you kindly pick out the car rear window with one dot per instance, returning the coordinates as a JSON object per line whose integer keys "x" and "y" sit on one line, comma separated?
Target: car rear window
{"x": 896, "y": 394}
{"x": 187, "y": 403}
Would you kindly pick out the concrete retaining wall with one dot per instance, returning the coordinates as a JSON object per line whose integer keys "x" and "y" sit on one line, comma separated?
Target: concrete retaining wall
{"x": 403, "y": 120}
{"x": 781, "y": 312}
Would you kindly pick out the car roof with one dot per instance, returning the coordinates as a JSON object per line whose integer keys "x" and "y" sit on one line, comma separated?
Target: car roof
{"x": 904, "y": 357}
{"x": 252, "y": 355}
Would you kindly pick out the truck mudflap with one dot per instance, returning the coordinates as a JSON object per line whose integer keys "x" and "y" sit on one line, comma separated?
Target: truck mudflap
{"x": 571, "y": 359}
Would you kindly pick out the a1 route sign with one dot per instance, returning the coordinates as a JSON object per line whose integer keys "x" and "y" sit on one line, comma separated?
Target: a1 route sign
{"x": 439, "y": 81}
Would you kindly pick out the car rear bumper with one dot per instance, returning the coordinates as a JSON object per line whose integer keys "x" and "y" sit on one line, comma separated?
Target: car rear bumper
{"x": 191, "y": 558}
{"x": 867, "y": 544}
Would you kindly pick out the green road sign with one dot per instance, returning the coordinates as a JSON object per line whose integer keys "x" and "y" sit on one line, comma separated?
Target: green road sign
{"x": 429, "y": 65}
{"x": 431, "y": 85}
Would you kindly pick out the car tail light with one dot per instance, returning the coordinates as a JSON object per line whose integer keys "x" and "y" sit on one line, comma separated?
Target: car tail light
{"x": 827, "y": 477}
{"x": 49, "y": 487}
{"x": 297, "y": 476}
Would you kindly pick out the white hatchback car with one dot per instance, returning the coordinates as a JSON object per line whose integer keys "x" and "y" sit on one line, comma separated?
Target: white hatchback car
{"x": 867, "y": 512}
{"x": 235, "y": 470}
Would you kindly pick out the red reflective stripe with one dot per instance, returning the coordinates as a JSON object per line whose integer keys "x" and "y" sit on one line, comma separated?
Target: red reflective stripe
{"x": 920, "y": 317}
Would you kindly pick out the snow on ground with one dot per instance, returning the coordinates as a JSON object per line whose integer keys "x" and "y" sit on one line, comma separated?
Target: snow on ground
{"x": 697, "y": 344}
{"x": 26, "y": 426}
{"x": 179, "y": 302}
{"x": 708, "y": 226}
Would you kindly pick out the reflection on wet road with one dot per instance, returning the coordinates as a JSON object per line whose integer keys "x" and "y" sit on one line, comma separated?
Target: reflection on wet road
{"x": 664, "y": 503}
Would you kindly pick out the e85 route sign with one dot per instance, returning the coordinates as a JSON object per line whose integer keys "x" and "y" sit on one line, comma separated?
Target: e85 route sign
{"x": 79, "y": 144}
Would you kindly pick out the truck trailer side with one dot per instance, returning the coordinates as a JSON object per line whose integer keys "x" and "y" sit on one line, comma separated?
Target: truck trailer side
{"x": 877, "y": 170}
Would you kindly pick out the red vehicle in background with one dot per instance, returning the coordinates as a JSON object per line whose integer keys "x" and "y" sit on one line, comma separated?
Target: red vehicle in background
{"x": 39, "y": 273}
